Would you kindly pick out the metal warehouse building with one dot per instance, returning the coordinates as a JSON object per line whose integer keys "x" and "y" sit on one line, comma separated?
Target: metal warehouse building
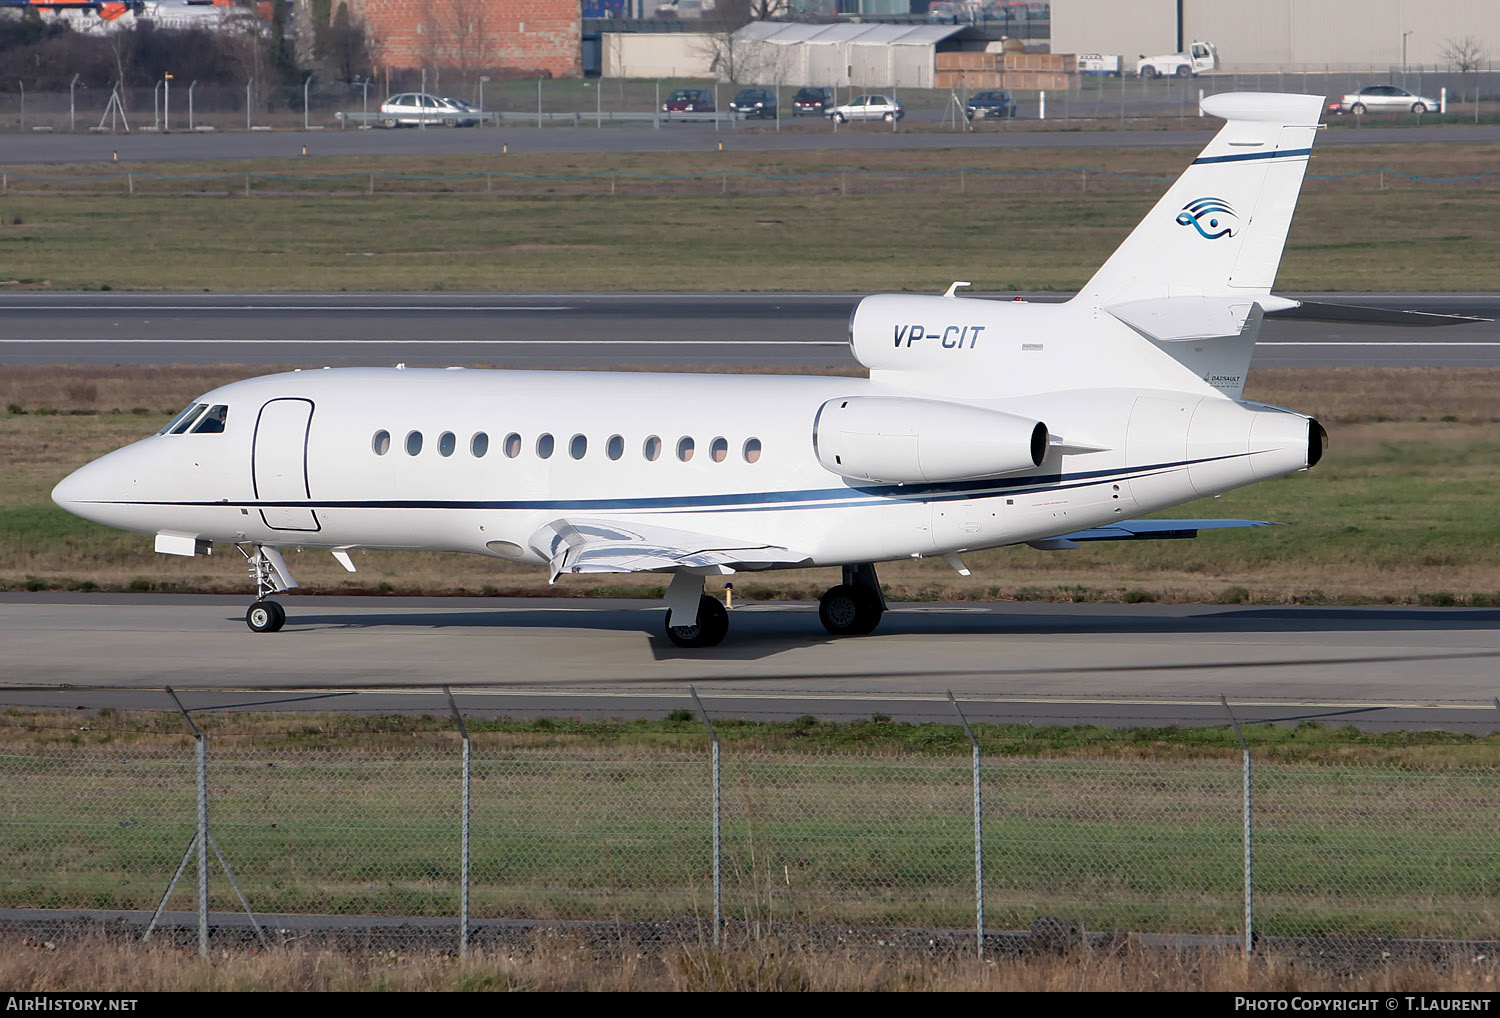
{"x": 1283, "y": 35}
{"x": 853, "y": 55}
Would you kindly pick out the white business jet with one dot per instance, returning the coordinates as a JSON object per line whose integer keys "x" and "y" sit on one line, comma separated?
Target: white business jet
{"x": 982, "y": 423}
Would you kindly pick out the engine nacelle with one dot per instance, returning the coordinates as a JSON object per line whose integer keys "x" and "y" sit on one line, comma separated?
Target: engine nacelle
{"x": 902, "y": 440}
{"x": 913, "y": 332}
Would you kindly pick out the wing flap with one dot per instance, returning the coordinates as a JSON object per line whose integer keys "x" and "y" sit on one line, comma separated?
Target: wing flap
{"x": 623, "y": 546}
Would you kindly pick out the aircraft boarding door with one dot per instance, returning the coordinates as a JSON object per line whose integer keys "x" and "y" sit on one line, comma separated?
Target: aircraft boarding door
{"x": 280, "y": 463}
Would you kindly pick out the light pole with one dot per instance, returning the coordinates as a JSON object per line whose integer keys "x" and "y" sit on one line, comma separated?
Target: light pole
{"x": 305, "y": 84}
{"x": 166, "y": 104}
{"x": 482, "y": 79}
{"x": 1404, "y": 34}
{"x": 191, "y": 86}
{"x": 71, "y": 85}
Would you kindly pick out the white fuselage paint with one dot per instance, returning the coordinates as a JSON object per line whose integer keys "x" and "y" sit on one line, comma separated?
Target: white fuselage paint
{"x": 1158, "y": 448}
{"x": 982, "y": 423}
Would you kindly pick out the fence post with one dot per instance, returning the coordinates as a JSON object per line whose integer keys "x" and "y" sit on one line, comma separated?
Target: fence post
{"x": 718, "y": 817}
{"x": 463, "y": 895}
{"x": 978, "y": 831}
{"x": 202, "y": 840}
{"x": 1245, "y": 749}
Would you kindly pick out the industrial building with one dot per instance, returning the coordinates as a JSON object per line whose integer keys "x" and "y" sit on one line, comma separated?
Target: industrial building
{"x": 1285, "y": 35}
{"x": 528, "y": 36}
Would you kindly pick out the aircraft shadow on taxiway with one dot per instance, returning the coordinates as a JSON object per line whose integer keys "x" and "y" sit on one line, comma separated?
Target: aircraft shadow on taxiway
{"x": 758, "y": 633}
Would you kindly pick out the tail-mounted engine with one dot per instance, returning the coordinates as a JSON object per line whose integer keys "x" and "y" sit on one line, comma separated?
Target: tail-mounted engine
{"x": 902, "y": 440}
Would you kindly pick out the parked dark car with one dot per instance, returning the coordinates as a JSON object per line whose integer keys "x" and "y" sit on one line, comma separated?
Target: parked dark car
{"x": 811, "y": 100}
{"x": 754, "y": 102}
{"x": 987, "y": 105}
{"x": 689, "y": 100}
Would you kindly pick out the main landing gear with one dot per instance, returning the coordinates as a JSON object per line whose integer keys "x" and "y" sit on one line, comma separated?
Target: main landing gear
{"x": 853, "y": 608}
{"x": 710, "y": 629}
{"x": 268, "y": 570}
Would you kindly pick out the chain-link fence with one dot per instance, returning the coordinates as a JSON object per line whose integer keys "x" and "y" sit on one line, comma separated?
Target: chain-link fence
{"x": 572, "y": 830}
{"x": 177, "y": 105}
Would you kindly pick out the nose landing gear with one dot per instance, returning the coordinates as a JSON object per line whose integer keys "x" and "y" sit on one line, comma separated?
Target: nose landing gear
{"x": 269, "y": 572}
{"x": 265, "y": 617}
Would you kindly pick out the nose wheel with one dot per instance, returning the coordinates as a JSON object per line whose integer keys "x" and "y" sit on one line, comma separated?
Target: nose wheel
{"x": 265, "y": 617}
{"x": 269, "y": 574}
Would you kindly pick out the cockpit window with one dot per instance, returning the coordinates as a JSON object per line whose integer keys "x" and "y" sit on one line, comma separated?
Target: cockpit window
{"x": 213, "y": 422}
{"x": 182, "y": 420}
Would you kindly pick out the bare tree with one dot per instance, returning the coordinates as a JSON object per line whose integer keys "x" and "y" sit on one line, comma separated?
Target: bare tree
{"x": 730, "y": 57}
{"x": 465, "y": 34}
{"x": 433, "y": 42}
{"x": 1466, "y": 54}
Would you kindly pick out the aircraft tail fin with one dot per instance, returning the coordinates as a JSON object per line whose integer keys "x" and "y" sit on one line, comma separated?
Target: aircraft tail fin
{"x": 1195, "y": 275}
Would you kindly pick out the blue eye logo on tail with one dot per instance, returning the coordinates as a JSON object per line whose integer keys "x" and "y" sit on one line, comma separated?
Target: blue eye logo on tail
{"x": 1211, "y": 217}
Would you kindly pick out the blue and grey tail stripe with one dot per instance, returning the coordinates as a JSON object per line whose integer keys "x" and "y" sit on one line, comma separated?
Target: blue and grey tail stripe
{"x": 1240, "y": 157}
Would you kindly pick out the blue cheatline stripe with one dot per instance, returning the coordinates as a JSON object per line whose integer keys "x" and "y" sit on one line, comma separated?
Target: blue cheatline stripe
{"x": 1240, "y": 157}
{"x": 823, "y": 498}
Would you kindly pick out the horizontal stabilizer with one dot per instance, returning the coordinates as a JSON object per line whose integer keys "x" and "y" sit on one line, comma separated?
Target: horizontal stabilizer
{"x": 1312, "y": 311}
{"x": 1171, "y": 319}
{"x": 620, "y": 546}
{"x": 1153, "y": 530}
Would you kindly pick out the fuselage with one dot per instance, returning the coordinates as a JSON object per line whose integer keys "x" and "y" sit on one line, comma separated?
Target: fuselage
{"x": 469, "y": 460}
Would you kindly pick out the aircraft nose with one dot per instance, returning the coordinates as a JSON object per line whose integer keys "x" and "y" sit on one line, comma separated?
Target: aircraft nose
{"x": 72, "y": 489}
{"x": 91, "y": 490}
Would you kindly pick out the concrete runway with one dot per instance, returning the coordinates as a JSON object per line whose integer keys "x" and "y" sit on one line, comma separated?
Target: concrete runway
{"x": 805, "y": 331}
{"x": 1145, "y": 665}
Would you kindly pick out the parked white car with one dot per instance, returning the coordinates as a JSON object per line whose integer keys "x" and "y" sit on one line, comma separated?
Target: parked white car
{"x": 1384, "y": 99}
{"x": 868, "y": 107}
{"x": 423, "y": 108}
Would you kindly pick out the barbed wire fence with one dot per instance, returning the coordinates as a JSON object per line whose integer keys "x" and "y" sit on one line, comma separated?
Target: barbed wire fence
{"x": 423, "y": 839}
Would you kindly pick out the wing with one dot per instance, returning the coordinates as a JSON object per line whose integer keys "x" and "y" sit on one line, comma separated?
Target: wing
{"x": 1143, "y": 530}
{"x": 623, "y": 546}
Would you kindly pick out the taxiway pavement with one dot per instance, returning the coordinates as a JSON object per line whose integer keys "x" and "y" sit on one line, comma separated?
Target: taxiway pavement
{"x": 1143, "y": 665}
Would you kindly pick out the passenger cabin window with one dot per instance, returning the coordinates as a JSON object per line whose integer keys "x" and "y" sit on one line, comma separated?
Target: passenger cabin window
{"x": 413, "y": 443}
{"x": 479, "y": 444}
{"x": 184, "y": 419}
{"x": 615, "y": 448}
{"x": 684, "y": 448}
{"x": 651, "y": 449}
{"x": 752, "y": 450}
{"x": 578, "y": 448}
{"x": 447, "y": 443}
{"x": 212, "y": 423}
{"x": 512, "y": 445}
{"x": 381, "y": 443}
{"x": 719, "y": 451}
{"x": 544, "y": 444}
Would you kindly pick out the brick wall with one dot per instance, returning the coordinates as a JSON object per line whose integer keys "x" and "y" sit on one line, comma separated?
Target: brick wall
{"x": 522, "y": 35}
